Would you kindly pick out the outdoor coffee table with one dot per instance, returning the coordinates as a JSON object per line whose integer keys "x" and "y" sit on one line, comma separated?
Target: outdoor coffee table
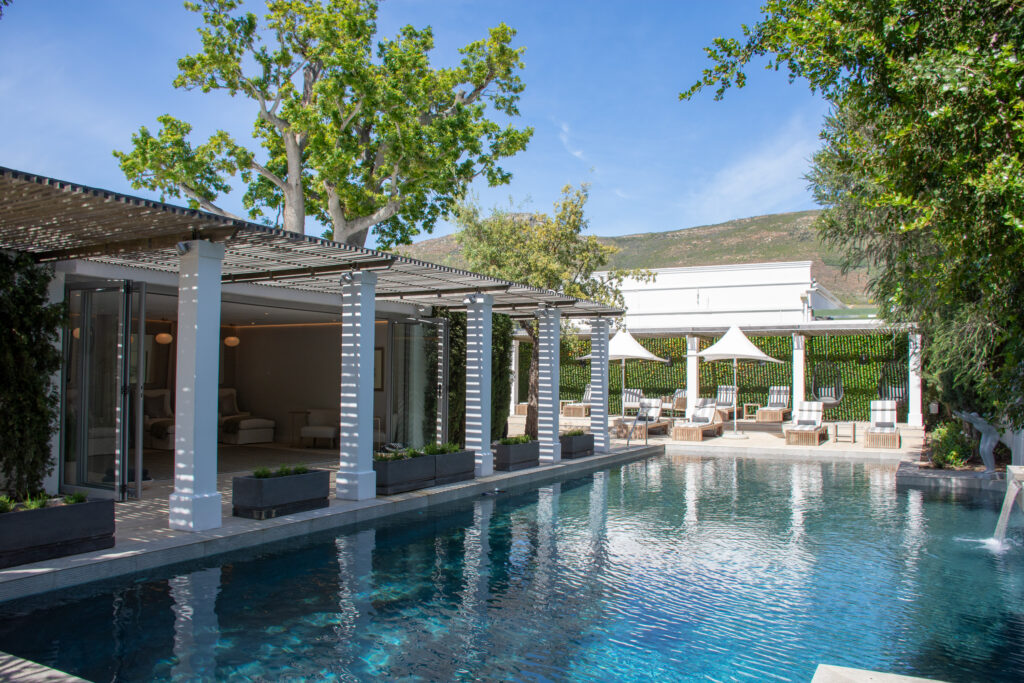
{"x": 851, "y": 432}
{"x": 750, "y": 410}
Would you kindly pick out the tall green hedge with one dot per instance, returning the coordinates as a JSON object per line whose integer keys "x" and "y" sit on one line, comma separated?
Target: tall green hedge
{"x": 860, "y": 359}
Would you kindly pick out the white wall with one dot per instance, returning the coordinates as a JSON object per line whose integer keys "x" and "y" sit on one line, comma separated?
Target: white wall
{"x": 745, "y": 294}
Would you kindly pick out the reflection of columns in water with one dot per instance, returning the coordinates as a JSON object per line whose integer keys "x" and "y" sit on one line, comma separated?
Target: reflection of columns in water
{"x": 796, "y": 499}
{"x": 599, "y": 506}
{"x": 652, "y": 468}
{"x": 914, "y": 534}
{"x": 475, "y": 568}
{"x": 196, "y": 630}
{"x": 692, "y": 487}
{"x": 882, "y": 495}
{"x": 547, "y": 520}
{"x": 355, "y": 582}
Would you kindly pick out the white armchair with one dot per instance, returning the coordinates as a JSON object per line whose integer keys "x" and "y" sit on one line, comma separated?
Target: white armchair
{"x": 321, "y": 424}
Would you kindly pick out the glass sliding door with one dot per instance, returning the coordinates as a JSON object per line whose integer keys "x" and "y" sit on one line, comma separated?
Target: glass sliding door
{"x": 98, "y": 404}
{"x": 413, "y": 383}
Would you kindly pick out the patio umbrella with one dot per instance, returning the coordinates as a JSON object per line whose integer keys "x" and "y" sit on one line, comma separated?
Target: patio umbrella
{"x": 624, "y": 347}
{"x": 735, "y": 346}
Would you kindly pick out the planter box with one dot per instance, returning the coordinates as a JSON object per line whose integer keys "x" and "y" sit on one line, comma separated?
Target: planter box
{"x": 517, "y": 456}
{"x": 452, "y": 467}
{"x": 275, "y": 496}
{"x": 577, "y": 446}
{"x": 35, "y": 535}
{"x": 398, "y": 476}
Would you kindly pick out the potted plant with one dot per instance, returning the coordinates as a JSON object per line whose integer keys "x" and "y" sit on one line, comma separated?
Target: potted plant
{"x": 451, "y": 463}
{"x": 404, "y": 470}
{"x": 42, "y": 528}
{"x": 516, "y": 453}
{"x": 270, "y": 493}
{"x": 576, "y": 444}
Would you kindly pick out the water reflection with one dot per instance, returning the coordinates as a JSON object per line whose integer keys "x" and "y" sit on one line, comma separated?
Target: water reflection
{"x": 196, "y": 627}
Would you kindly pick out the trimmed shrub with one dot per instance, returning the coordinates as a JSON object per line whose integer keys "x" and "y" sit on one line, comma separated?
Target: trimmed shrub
{"x": 950, "y": 446}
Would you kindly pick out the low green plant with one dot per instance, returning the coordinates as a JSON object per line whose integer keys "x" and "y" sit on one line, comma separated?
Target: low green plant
{"x": 950, "y": 447}
{"x": 513, "y": 440}
{"x": 300, "y": 469}
{"x": 262, "y": 473}
{"x": 440, "y": 448}
{"x": 574, "y": 432}
{"x": 75, "y": 498}
{"x": 283, "y": 471}
{"x": 35, "y": 502}
{"x": 394, "y": 455}
{"x": 6, "y": 504}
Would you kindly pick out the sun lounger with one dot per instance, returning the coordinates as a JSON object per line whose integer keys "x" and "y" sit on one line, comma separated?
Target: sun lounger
{"x": 726, "y": 401}
{"x": 631, "y": 399}
{"x": 883, "y": 432}
{"x": 806, "y": 428}
{"x": 676, "y": 402}
{"x": 580, "y": 409}
{"x": 777, "y": 409}
{"x": 648, "y": 420}
{"x": 705, "y": 421}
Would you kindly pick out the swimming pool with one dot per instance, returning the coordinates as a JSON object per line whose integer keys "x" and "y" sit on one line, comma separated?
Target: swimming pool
{"x": 670, "y": 568}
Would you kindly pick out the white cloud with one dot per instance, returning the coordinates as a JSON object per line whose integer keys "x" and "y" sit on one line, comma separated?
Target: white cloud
{"x": 563, "y": 135}
{"x": 769, "y": 179}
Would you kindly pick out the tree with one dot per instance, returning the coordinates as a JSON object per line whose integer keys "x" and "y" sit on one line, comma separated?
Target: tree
{"x": 356, "y": 134}
{"x": 29, "y": 357}
{"x": 922, "y": 168}
{"x": 541, "y": 251}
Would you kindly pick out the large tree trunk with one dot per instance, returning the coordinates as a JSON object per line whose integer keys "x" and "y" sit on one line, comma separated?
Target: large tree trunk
{"x": 294, "y": 213}
{"x": 534, "y": 383}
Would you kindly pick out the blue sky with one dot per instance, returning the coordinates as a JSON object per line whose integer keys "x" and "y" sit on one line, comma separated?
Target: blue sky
{"x": 602, "y": 84}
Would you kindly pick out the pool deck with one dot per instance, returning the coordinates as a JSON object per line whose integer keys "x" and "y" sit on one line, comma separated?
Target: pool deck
{"x": 144, "y": 542}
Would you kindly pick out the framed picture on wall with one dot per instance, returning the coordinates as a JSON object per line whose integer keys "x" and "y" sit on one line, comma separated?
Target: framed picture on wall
{"x": 378, "y": 369}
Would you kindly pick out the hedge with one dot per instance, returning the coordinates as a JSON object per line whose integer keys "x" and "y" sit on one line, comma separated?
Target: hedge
{"x": 860, "y": 359}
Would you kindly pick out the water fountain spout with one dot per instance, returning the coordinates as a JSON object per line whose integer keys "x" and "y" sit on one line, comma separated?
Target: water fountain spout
{"x": 1014, "y": 482}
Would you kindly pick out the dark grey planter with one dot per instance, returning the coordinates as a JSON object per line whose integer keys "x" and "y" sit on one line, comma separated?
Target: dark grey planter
{"x": 452, "y": 467}
{"x": 517, "y": 456}
{"x": 263, "y": 498}
{"x": 35, "y": 535}
{"x": 398, "y": 476}
{"x": 577, "y": 446}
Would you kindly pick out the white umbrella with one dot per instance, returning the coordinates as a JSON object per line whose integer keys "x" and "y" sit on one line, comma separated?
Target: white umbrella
{"x": 624, "y": 347}
{"x": 735, "y": 346}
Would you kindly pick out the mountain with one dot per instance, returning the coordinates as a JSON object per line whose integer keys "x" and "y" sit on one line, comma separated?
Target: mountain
{"x": 775, "y": 237}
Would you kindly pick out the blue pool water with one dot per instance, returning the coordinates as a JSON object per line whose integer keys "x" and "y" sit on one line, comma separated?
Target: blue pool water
{"x": 671, "y": 568}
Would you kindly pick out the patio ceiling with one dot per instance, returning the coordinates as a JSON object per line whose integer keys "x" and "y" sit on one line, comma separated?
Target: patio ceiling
{"x": 55, "y": 220}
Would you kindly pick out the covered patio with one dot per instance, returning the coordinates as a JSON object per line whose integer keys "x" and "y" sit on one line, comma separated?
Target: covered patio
{"x": 98, "y": 235}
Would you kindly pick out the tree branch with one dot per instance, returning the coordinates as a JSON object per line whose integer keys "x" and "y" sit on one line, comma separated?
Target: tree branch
{"x": 205, "y": 204}
{"x": 267, "y": 174}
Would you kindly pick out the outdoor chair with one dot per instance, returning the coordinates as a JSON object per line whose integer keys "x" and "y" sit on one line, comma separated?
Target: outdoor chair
{"x": 882, "y": 433}
{"x": 806, "y": 428}
{"x": 238, "y": 427}
{"x": 631, "y": 400}
{"x": 676, "y": 402}
{"x": 320, "y": 424}
{"x": 157, "y": 419}
{"x": 648, "y": 420}
{"x": 725, "y": 401}
{"x": 705, "y": 421}
{"x": 580, "y": 409}
{"x": 777, "y": 409}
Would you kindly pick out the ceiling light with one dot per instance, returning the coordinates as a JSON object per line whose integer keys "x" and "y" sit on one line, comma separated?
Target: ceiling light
{"x": 164, "y": 338}
{"x": 232, "y": 341}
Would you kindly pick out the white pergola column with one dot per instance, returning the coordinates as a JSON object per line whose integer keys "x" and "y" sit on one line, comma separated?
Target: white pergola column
{"x": 515, "y": 377}
{"x": 195, "y": 504}
{"x": 798, "y": 369}
{"x": 914, "y": 416}
{"x": 356, "y": 479}
{"x": 692, "y": 374}
{"x": 548, "y": 349}
{"x": 478, "y": 381}
{"x": 599, "y": 328}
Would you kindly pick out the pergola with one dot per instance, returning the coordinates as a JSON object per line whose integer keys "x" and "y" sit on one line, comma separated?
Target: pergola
{"x": 55, "y": 220}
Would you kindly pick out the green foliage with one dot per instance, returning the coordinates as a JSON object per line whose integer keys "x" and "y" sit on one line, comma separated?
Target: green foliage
{"x": 440, "y": 448}
{"x": 501, "y": 379}
{"x": 282, "y": 471}
{"x": 922, "y": 168}
{"x": 355, "y": 131}
{"x": 6, "y": 504}
{"x": 513, "y": 440}
{"x": 75, "y": 498}
{"x": 574, "y": 432}
{"x": 950, "y": 446}
{"x": 29, "y": 357}
{"x": 35, "y": 502}
{"x": 263, "y": 473}
{"x": 860, "y": 360}
{"x": 300, "y": 469}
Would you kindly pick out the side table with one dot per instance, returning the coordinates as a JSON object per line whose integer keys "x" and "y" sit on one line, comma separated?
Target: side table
{"x": 750, "y": 410}
{"x": 298, "y": 420}
{"x": 851, "y": 432}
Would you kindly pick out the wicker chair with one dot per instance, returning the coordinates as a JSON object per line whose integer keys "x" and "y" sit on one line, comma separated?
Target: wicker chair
{"x": 777, "y": 409}
{"x": 883, "y": 432}
{"x": 806, "y": 428}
